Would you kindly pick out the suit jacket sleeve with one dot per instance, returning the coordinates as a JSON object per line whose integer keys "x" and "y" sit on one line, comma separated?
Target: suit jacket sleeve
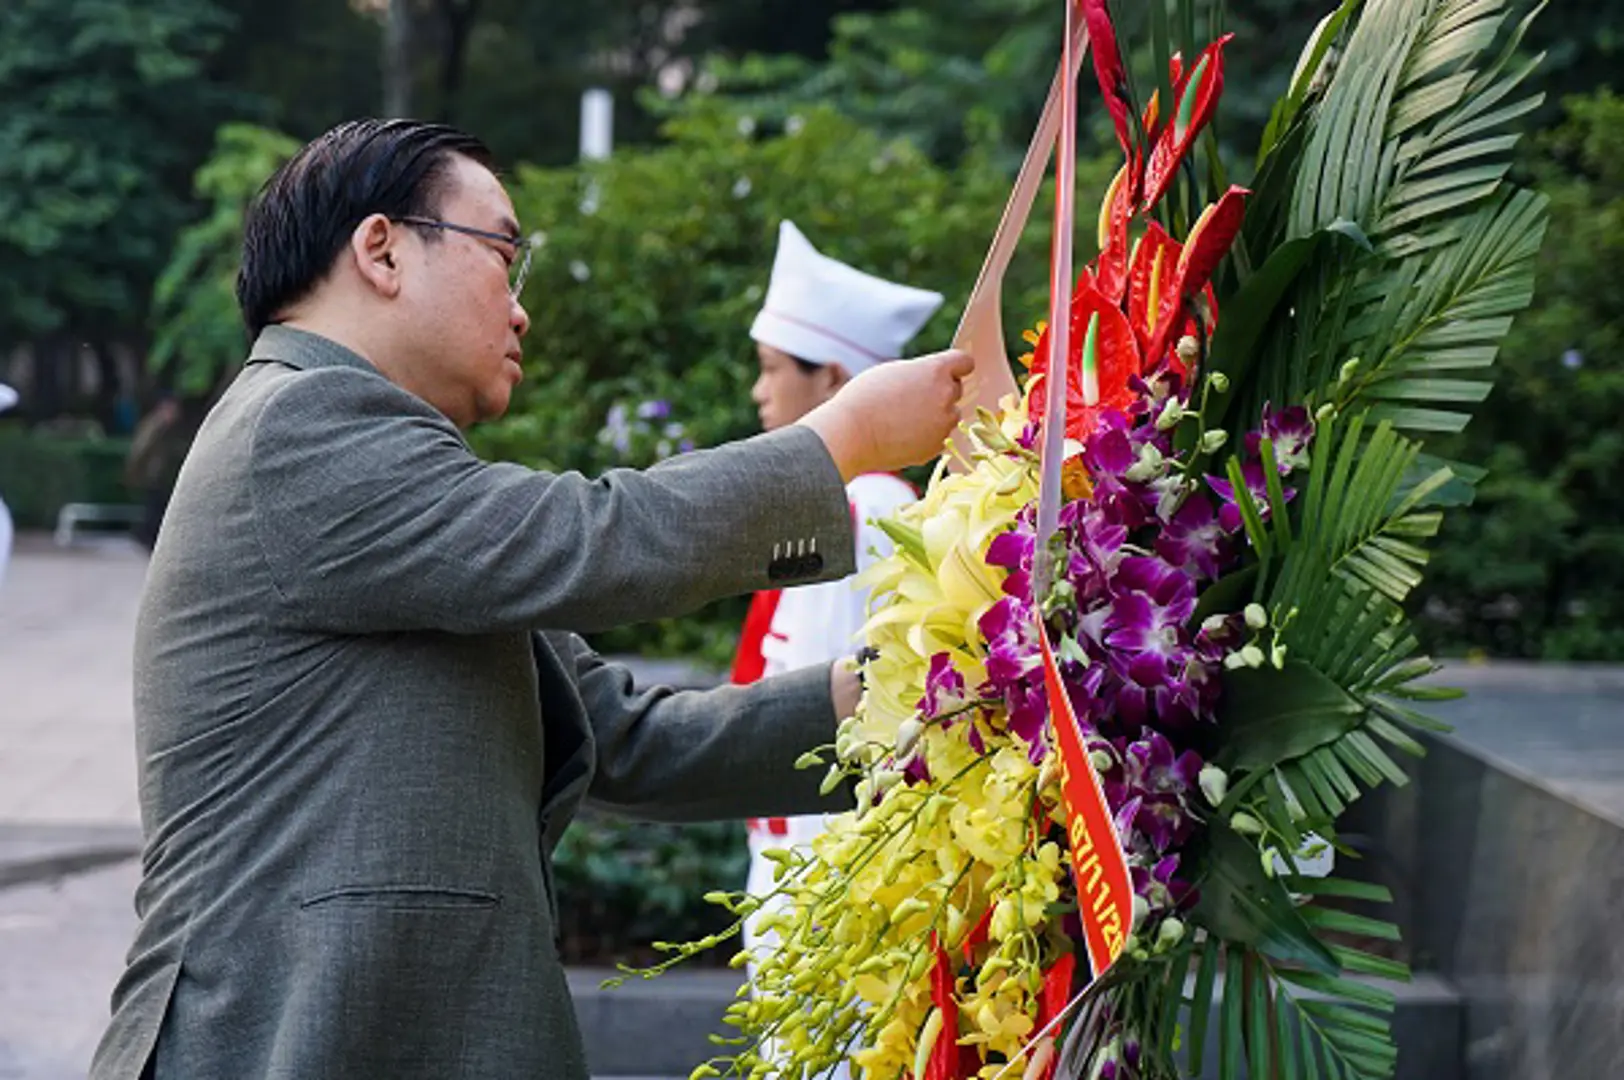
{"x": 374, "y": 515}
{"x": 688, "y": 755}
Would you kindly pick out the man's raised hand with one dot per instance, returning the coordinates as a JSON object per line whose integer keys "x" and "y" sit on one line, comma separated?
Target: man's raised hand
{"x": 894, "y": 414}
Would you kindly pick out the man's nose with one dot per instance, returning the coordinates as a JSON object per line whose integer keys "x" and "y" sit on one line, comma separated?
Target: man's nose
{"x": 519, "y": 319}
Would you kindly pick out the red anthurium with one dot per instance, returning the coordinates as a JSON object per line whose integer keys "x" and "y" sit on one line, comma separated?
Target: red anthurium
{"x": 1055, "y": 996}
{"x": 1094, "y": 320}
{"x": 1150, "y": 278}
{"x": 1111, "y": 268}
{"x": 1195, "y": 95}
{"x": 1108, "y": 69}
{"x": 1153, "y": 111}
{"x": 945, "y": 1057}
{"x": 1211, "y": 237}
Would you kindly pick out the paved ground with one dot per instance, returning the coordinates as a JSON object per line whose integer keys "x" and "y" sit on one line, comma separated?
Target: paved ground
{"x": 68, "y": 813}
{"x": 66, "y": 618}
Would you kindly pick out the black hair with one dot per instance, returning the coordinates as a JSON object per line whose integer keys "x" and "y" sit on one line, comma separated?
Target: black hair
{"x": 807, "y": 367}
{"x": 305, "y": 213}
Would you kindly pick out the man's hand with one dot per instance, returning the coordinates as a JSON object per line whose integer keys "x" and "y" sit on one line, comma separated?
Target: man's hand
{"x": 845, "y": 688}
{"x": 893, "y": 415}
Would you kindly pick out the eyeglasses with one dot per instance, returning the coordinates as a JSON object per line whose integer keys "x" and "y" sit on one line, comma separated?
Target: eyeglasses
{"x": 518, "y": 269}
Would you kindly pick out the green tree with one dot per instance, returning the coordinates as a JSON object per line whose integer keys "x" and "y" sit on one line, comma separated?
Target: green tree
{"x": 1532, "y": 569}
{"x": 199, "y": 335}
{"x": 106, "y": 105}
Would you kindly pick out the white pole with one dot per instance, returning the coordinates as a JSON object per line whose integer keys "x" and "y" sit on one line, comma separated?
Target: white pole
{"x": 597, "y": 123}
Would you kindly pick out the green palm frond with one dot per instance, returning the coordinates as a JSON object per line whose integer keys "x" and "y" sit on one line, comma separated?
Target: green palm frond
{"x": 1309, "y": 737}
{"x": 1413, "y": 124}
{"x": 1276, "y": 1020}
{"x": 1409, "y": 146}
{"x": 1425, "y": 357}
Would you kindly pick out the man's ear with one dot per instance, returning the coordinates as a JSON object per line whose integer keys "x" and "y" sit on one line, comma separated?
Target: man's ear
{"x": 375, "y": 246}
{"x": 837, "y": 375}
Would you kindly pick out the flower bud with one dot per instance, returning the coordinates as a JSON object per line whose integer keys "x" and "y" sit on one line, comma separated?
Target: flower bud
{"x": 1214, "y": 440}
{"x": 1101, "y": 760}
{"x": 1150, "y": 465}
{"x": 716, "y": 896}
{"x": 1169, "y": 934}
{"x": 1277, "y": 655}
{"x": 1214, "y": 784}
{"x": 1188, "y": 349}
{"x": 1172, "y": 413}
{"x": 908, "y": 733}
{"x": 1252, "y": 656}
{"x": 1269, "y": 860}
{"x": 1349, "y": 369}
{"x": 1141, "y": 910}
{"x": 1324, "y": 413}
{"x": 1234, "y": 661}
{"x": 1245, "y": 824}
{"x": 831, "y": 779}
{"x": 1218, "y": 381}
{"x": 809, "y": 760}
{"x": 1256, "y": 617}
{"x": 927, "y": 1041}
{"x": 1046, "y": 773}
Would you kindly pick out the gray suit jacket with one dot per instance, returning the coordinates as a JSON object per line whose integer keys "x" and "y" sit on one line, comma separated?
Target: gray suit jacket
{"x": 363, "y": 720}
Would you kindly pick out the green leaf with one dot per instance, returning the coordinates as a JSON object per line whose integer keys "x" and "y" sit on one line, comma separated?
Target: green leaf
{"x": 1329, "y": 886}
{"x": 1270, "y": 716}
{"x": 1231, "y": 1028}
{"x": 1259, "y": 1060}
{"x": 1358, "y": 962}
{"x": 1239, "y": 903}
{"x": 1201, "y": 1002}
{"x": 1249, "y": 311}
{"x": 1226, "y": 595}
{"x": 1347, "y": 923}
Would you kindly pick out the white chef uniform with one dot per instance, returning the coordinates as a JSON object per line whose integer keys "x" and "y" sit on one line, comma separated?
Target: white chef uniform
{"x": 822, "y": 311}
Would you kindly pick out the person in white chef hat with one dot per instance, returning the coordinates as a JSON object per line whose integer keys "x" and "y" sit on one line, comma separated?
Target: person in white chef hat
{"x": 822, "y": 323}
{"x": 8, "y": 398}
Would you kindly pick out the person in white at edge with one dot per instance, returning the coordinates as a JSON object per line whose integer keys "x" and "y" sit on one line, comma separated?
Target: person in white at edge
{"x": 8, "y": 398}
{"x": 822, "y": 323}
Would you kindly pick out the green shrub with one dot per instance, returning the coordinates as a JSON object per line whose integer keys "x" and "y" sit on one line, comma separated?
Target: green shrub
{"x": 622, "y": 885}
{"x": 41, "y": 472}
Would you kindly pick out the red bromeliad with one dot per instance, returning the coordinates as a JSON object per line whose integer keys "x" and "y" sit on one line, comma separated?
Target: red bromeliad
{"x": 1141, "y": 295}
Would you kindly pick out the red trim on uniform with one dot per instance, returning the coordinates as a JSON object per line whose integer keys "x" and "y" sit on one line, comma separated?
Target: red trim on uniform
{"x": 748, "y": 662}
{"x": 772, "y": 826}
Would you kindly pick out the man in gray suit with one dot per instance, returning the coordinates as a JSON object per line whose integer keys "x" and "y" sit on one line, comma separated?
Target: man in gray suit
{"x": 363, "y": 717}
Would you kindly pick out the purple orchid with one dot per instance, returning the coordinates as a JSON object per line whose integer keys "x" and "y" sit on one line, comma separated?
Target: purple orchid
{"x": 944, "y": 689}
{"x": 1229, "y": 515}
{"x": 1150, "y": 764}
{"x": 1195, "y": 541}
{"x": 1013, "y": 551}
{"x": 1157, "y": 884}
{"x": 1015, "y": 669}
{"x": 1290, "y": 432}
{"x": 915, "y": 770}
